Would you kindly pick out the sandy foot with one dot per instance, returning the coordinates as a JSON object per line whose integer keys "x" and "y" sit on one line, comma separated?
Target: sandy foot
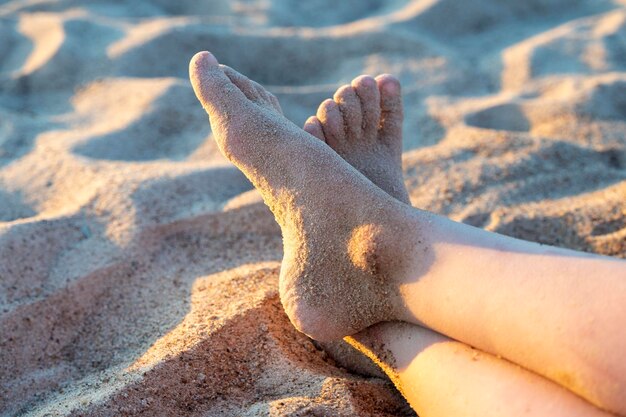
{"x": 338, "y": 270}
{"x": 363, "y": 124}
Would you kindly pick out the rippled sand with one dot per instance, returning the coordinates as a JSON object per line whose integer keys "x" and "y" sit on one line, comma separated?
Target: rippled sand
{"x": 138, "y": 269}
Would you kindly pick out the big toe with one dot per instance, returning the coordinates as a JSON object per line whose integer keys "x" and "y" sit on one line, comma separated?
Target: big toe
{"x": 214, "y": 89}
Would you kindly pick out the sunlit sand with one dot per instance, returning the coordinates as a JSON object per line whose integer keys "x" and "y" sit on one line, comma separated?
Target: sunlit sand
{"x": 138, "y": 267}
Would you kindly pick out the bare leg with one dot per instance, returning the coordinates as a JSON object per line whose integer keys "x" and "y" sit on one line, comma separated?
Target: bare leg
{"x": 363, "y": 124}
{"x": 553, "y": 311}
{"x": 354, "y": 256}
{"x": 441, "y": 377}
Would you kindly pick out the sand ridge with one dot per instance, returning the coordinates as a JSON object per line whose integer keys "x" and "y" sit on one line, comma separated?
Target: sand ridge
{"x": 138, "y": 268}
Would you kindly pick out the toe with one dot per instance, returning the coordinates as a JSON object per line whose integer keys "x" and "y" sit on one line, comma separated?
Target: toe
{"x": 350, "y": 107}
{"x": 214, "y": 89}
{"x": 391, "y": 107}
{"x": 313, "y": 126}
{"x": 332, "y": 122}
{"x": 268, "y": 98}
{"x": 367, "y": 91}
{"x": 253, "y": 90}
{"x": 275, "y": 103}
{"x": 243, "y": 83}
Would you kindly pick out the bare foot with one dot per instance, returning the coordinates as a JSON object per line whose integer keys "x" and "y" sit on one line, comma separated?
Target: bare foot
{"x": 363, "y": 124}
{"x": 342, "y": 234}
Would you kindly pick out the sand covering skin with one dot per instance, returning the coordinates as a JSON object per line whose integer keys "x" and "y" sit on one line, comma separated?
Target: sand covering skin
{"x": 138, "y": 270}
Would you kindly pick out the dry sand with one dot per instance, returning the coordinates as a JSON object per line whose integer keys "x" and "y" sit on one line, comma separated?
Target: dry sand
{"x": 138, "y": 269}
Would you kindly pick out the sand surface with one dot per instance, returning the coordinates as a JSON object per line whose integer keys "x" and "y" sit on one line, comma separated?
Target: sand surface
{"x": 138, "y": 269}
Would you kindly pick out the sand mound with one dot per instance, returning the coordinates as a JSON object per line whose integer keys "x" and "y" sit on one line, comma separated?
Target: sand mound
{"x": 138, "y": 269}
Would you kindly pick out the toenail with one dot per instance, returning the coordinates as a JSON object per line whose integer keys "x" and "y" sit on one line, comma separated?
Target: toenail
{"x": 329, "y": 103}
{"x": 366, "y": 80}
{"x": 343, "y": 91}
{"x": 391, "y": 87}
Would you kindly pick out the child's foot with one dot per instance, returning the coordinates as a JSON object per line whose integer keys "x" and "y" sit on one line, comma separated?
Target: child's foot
{"x": 343, "y": 236}
{"x": 363, "y": 124}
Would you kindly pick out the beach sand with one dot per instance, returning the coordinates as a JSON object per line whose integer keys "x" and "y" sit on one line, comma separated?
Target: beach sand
{"x": 138, "y": 268}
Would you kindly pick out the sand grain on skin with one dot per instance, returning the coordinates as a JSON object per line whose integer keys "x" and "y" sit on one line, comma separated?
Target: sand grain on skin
{"x": 116, "y": 204}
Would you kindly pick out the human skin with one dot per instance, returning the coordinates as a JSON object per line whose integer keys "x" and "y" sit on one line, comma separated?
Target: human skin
{"x": 441, "y": 377}
{"x": 437, "y": 375}
{"x": 354, "y": 256}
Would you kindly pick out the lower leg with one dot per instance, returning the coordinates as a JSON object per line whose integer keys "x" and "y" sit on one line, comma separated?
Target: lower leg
{"x": 376, "y": 259}
{"x": 442, "y": 377}
{"x": 556, "y": 312}
{"x": 363, "y": 124}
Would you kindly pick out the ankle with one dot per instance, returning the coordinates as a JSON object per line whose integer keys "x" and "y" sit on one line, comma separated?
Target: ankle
{"x": 400, "y": 252}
